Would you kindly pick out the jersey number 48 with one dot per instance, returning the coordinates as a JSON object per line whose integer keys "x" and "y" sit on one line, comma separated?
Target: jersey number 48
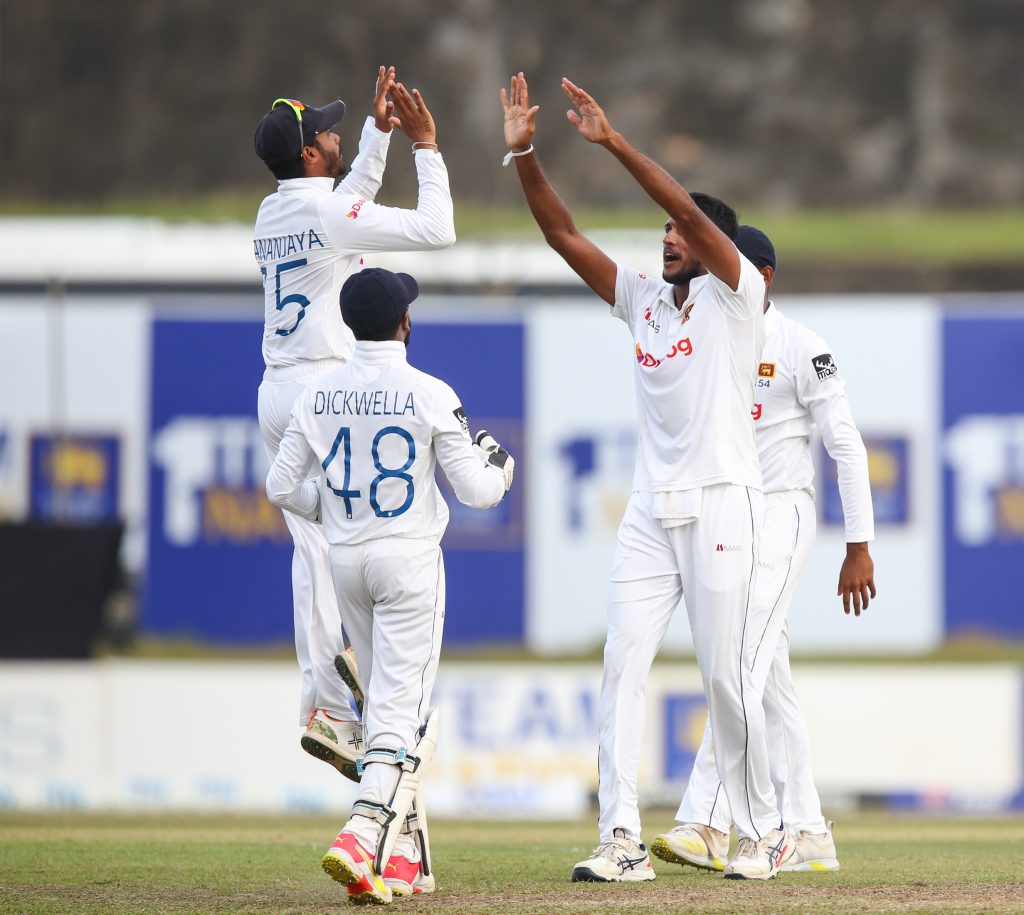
{"x": 343, "y": 440}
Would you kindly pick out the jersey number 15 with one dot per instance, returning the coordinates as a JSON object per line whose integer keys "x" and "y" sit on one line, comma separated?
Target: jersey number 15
{"x": 294, "y": 299}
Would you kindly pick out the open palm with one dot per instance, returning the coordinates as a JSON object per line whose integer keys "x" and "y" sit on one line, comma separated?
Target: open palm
{"x": 520, "y": 123}
{"x": 589, "y": 119}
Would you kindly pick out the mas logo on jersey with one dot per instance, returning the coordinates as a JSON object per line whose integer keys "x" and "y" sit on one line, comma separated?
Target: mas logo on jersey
{"x": 651, "y": 322}
{"x": 354, "y": 212}
{"x": 680, "y": 348}
{"x": 824, "y": 366}
{"x": 767, "y": 370}
{"x": 728, "y": 548}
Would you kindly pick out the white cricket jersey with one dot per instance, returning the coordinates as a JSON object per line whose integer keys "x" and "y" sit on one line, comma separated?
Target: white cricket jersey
{"x": 695, "y": 369}
{"x": 310, "y": 236}
{"x": 377, "y": 428}
{"x": 799, "y": 386}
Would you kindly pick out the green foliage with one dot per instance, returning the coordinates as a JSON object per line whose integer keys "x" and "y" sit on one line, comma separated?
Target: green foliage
{"x": 835, "y": 236}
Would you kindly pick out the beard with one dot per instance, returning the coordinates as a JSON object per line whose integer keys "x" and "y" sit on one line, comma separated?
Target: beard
{"x": 682, "y": 272}
{"x": 408, "y": 337}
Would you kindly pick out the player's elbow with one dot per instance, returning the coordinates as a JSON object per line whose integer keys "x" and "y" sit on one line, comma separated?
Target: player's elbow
{"x": 561, "y": 239}
{"x": 486, "y": 493}
{"x": 440, "y": 236}
{"x": 276, "y": 493}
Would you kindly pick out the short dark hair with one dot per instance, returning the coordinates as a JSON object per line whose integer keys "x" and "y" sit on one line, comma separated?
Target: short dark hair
{"x": 380, "y": 328}
{"x": 374, "y": 302}
{"x": 288, "y": 168}
{"x": 718, "y": 211}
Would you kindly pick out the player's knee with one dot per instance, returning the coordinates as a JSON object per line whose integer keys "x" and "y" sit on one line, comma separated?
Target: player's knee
{"x": 726, "y": 689}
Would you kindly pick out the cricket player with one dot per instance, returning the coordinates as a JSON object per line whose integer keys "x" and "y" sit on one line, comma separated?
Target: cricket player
{"x": 376, "y": 428}
{"x": 310, "y": 234}
{"x": 694, "y": 517}
{"x": 798, "y": 387}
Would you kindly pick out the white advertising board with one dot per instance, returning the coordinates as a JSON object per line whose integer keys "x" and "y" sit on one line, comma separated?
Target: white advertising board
{"x": 517, "y": 740}
{"x": 582, "y": 421}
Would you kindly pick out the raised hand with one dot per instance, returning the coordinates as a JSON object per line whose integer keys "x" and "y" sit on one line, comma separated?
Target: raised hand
{"x": 520, "y": 118}
{"x": 382, "y": 105}
{"x": 411, "y": 115}
{"x": 590, "y": 121}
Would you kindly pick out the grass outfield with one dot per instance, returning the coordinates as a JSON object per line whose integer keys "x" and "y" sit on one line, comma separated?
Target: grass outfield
{"x": 943, "y": 237}
{"x": 87, "y": 863}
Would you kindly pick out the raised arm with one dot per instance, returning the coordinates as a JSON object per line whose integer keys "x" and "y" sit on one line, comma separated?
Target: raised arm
{"x": 594, "y": 267}
{"x": 711, "y": 246}
{"x": 367, "y": 171}
{"x": 362, "y": 226}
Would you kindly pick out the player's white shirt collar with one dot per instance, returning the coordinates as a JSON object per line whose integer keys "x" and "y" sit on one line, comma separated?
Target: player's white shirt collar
{"x": 771, "y": 318}
{"x": 297, "y": 185}
{"x": 668, "y": 292}
{"x": 380, "y": 351}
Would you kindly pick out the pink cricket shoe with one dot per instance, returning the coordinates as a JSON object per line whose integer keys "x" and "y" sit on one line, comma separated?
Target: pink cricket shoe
{"x": 348, "y": 862}
{"x": 405, "y": 878}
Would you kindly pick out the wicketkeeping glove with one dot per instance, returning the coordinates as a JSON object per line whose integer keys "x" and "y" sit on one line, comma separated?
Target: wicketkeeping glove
{"x": 492, "y": 453}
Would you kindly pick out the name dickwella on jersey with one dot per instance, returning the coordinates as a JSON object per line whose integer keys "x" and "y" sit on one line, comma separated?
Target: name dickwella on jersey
{"x": 364, "y": 403}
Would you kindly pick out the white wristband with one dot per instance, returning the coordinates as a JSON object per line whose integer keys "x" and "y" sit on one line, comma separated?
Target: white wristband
{"x": 509, "y": 156}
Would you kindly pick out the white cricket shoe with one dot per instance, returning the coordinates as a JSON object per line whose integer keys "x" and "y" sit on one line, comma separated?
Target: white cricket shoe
{"x": 694, "y": 844}
{"x": 760, "y": 859}
{"x": 813, "y": 852}
{"x": 336, "y": 741}
{"x": 348, "y": 670}
{"x": 619, "y": 860}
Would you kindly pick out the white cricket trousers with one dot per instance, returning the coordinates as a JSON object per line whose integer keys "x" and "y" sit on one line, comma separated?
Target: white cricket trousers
{"x": 391, "y": 593}
{"x": 318, "y": 636}
{"x": 711, "y": 560}
{"x": 786, "y": 543}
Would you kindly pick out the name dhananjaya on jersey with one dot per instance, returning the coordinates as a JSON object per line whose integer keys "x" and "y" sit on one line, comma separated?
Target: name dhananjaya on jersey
{"x": 272, "y": 249}
{"x": 364, "y": 403}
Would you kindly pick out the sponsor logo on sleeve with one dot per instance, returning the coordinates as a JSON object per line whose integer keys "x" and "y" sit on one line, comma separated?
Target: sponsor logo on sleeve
{"x": 824, "y": 366}
{"x": 460, "y": 415}
{"x": 356, "y": 207}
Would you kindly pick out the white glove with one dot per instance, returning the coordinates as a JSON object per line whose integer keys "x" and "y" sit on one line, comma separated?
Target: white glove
{"x": 493, "y": 454}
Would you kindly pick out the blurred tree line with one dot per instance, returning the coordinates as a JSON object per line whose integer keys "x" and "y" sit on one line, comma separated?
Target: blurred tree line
{"x": 774, "y": 103}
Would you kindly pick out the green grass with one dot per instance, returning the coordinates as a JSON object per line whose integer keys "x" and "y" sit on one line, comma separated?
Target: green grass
{"x": 836, "y": 236}
{"x": 225, "y": 864}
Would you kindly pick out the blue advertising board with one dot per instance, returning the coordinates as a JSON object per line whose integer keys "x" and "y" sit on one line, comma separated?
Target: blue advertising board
{"x": 74, "y": 477}
{"x": 220, "y": 554}
{"x": 685, "y": 716}
{"x": 889, "y": 475}
{"x": 983, "y": 472}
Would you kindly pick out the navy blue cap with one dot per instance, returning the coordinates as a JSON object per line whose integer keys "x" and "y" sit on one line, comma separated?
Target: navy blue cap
{"x": 374, "y": 301}
{"x": 755, "y": 246}
{"x": 277, "y": 134}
